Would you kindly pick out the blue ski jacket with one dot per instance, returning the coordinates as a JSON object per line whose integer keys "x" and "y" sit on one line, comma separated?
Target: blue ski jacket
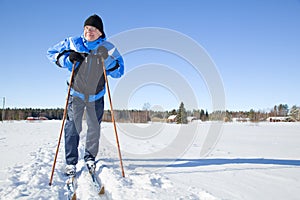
{"x": 88, "y": 82}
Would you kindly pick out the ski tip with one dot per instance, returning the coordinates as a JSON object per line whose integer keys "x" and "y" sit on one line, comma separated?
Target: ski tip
{"x": 102, "y": 190}
{"x": 74, "y": 197}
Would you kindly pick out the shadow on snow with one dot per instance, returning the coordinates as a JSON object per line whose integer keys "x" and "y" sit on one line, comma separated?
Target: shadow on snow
{"x": 206, "y": 162}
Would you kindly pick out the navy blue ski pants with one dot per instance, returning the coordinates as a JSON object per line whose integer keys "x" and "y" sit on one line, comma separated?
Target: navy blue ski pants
{"x": 73, "y": 127}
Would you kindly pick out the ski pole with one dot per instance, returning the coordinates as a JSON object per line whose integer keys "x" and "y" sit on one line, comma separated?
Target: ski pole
{"x": 113, "y": 118}
{"x": 63, "y": 123}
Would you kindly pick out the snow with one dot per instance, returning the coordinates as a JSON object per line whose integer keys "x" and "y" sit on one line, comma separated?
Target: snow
{"x": 249, "y": 161}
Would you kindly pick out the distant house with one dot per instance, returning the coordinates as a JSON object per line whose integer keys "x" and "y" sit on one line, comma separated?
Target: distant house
{"x": 241, "y": 119}
{"x": 172, "y": 118}
{"x": 280, "y": 119}
{"x": 191, "y": 119}
{"x": 36, "y": 118}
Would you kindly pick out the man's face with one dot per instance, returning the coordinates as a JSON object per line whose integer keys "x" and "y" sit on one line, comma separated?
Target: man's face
{"x": 91, "y": 33}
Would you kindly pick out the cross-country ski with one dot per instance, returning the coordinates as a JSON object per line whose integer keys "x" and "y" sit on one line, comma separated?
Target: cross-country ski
{"x": 99, "y": 187}
{"x": 71, "y": 186}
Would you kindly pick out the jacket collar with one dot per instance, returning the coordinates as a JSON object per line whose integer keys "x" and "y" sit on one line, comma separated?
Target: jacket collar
{"x": 94, "y": 44}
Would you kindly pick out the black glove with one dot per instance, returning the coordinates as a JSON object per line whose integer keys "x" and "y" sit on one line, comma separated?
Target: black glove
{"x": 75, "y": 56}
{"x": 103, "y": 52}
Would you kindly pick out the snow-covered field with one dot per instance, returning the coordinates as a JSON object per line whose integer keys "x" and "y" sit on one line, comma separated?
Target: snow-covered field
{"x": 249, "y": 161}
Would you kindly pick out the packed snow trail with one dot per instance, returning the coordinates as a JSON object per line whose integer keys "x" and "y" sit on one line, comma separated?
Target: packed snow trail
{"x": 29, "y": 180}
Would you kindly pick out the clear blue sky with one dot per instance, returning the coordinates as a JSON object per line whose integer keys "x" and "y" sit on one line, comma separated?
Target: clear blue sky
{"x": 254, "y": 44}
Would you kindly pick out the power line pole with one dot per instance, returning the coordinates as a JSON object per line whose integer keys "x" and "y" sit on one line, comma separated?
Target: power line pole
{"x": 3, "y": 112}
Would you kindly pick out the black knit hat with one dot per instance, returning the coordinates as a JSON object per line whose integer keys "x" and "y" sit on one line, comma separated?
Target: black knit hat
{"x": 95, "y": 21}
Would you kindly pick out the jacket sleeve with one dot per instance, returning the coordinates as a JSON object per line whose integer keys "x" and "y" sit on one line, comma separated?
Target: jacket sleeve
{"x": 114, "y": 64}
{"x": 59, "y": 54}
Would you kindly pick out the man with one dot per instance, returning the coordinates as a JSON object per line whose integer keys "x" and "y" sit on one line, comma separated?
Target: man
{"x": 88, "y": 87}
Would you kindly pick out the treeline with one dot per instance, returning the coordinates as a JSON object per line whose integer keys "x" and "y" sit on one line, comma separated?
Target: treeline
{"x": 281, "y": 110}
{"x": 128, "y": 116}
{"x": 136, "y": 116}
{"x": 24, "y": 113}
{"x": 143, "y": 116}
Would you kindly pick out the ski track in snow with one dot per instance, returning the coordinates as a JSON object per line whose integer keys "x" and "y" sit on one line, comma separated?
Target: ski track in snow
{"x": 250, "y": 162}
{"x": 30, "y": 180}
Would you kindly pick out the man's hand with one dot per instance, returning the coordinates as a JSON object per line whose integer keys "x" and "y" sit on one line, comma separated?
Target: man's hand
{"x": 76, "y": 57}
